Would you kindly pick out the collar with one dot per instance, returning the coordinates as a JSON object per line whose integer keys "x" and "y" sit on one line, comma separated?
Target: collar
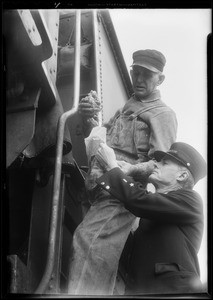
{"x": 169, "y": 189}
{"x": 155, "y": 95}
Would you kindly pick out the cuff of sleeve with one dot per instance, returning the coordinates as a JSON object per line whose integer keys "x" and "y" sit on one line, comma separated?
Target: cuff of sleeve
{"x": 108, "y": 174}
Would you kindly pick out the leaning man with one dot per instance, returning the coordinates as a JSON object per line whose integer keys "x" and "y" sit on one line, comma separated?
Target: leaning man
{"x": 166, "y": 243}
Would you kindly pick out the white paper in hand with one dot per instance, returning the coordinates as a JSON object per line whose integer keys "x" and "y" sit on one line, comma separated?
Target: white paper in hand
{"x": 92, "y": 142}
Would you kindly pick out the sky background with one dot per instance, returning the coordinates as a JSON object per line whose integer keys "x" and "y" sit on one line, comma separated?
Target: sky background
{"x": 181, "y": 35}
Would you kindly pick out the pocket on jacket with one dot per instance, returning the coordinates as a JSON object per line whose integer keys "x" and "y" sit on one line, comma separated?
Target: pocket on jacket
{"x": 177, "y": 279}
{"x": 141, "y": 136}
{"x": 163, "y": 268}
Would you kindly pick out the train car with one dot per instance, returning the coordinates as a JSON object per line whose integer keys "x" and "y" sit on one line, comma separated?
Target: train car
{"x": 52, "y": 59}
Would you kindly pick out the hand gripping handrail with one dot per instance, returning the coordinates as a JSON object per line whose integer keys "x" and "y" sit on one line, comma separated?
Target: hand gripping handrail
{"x": 58, "y": 163}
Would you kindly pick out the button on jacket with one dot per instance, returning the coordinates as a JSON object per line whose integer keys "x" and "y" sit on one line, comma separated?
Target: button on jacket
{"x": 167, "y": 240}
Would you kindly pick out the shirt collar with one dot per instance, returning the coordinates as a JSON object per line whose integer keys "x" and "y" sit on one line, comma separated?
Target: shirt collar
{"x": 155, "y": 95}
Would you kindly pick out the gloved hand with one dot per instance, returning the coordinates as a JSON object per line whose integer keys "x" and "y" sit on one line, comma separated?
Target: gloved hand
{"x": 90, "y": 105}
{"x": 126, "y": 167}
{"x": 139, "y": 171}
{"x": 144, "y": 168}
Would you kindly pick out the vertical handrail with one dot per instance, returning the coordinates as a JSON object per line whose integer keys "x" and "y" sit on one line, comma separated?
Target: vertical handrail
{"x": 96, "y": 58}
{"x": 58, "y": 163}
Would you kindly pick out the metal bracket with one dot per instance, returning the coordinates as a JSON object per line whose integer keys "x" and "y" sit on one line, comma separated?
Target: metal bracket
{"x": 20, "y": 126}
{"x": 30, "y": 26}
{"x": 24, "y": 102}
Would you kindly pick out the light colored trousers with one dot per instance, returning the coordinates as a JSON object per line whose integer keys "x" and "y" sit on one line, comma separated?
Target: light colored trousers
{"x": 97, "y": 246}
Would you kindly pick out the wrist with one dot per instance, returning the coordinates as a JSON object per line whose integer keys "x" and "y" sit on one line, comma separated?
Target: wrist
{"x": 111, "y": 166}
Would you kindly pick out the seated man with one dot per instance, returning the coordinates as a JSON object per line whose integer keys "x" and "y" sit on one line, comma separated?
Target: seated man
{"x": 166, "y": 243}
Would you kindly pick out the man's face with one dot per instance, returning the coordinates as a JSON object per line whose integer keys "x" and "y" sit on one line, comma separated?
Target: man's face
{"x": 144, "y": 81}
{"x": 165, "y": 172}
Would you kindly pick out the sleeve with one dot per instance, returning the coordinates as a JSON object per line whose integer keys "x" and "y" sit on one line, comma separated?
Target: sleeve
{"x": 163, "y": 131}
{"x": 88, "y": 124}
{"x": 179, "y": 207}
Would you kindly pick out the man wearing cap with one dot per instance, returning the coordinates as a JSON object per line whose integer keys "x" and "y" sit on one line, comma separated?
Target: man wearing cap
{"x": 166, "y": 243}
{"x": 145, "y": 124}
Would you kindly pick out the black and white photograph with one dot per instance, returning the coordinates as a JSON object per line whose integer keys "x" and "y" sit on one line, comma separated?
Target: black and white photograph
{"x": 106, "y": 152}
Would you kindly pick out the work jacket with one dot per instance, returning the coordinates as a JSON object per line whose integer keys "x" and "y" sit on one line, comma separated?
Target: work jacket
{"x": 136, "y": 131}
{"x": 166, "y": 242}
{"x": 141, "y": 127}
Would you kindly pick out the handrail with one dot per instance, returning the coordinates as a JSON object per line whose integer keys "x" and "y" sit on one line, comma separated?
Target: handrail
{"x": 96, "y": 58}
{"x": 58, "y": 163}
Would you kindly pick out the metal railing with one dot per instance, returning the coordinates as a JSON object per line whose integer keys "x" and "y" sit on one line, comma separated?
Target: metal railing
{"x": 98, "y": 75}
{"x": 58, "y": 163}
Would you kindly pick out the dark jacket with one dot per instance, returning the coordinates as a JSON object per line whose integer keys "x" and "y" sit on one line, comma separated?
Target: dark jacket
{"x": 166, "y": 243}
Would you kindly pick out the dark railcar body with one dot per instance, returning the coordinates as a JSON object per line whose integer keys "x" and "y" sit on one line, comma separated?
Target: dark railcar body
{"x": 39, "y": 62}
